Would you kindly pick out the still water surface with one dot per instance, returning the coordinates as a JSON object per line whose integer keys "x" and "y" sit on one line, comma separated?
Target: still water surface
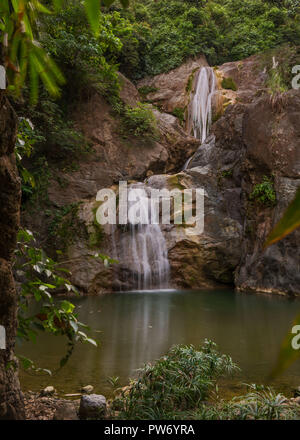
{"x": 137, "y": 327}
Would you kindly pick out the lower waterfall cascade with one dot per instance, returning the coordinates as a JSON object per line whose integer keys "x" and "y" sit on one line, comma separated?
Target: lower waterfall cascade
{"x": 144, "y": 247}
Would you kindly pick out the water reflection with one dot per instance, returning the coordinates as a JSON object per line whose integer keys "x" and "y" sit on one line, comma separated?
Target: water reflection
{"x": 137, "y": 327}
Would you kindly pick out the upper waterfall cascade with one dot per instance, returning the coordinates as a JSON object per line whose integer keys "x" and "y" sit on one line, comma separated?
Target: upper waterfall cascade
{"x": 201, "y": 106}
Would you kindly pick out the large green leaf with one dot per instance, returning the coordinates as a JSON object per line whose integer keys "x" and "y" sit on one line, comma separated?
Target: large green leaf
{"x": 287, "y": 354}
{"x": 289, "y": 222}
{"x": 92, "y": 8}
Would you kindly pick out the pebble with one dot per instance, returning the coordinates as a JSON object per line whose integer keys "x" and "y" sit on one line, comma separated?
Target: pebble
{"x": 88, "y": 389}
{"x": 48, "y": 391}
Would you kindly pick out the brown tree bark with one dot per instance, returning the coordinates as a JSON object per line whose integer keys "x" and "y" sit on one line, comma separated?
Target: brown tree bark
{"x": 11, "y": 401}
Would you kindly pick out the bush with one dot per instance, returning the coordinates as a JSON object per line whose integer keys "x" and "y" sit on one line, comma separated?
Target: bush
{"x": 259, "y": 403}
{"x": 182, "y": 385}
{"x": 168, "y": 32}
{"x": 145, "y": 90}
{"x": 228, "y": 83}
{"x": 264, "y": 192}
{"x": 279, "y": 79}
{"x": 179, "y": 113}
{"x": 139, "y": 121}
{"x": 176, "y": 383}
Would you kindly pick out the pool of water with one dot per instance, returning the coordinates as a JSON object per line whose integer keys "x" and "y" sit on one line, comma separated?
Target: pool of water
{"x": 135, "y": 327}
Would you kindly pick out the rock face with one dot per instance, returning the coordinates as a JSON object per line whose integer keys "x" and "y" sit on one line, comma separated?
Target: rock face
{"x": 114, "y": 158}
{"x": 171, "y": 90}
{"x": 249, "y": 142}
{"x": 11, "y": 401}
{"x": 253, "y": 140}
{"x": 92, "y": 406}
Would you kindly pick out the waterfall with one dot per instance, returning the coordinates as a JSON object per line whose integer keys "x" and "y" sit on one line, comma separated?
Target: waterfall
{"x": 200, "y": 117}
{"x": 144, "y": 249}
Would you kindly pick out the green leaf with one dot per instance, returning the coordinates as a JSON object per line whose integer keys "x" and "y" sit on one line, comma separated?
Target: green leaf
{"x": 74, "y": 326}
{"x": 42, "y": 8}
{"x": 57, "y": 4}
{"x": 26, "y": 363}
{"x": 92, "y": 341}
{"x": 287, "y": 354}
{"x": 107, "y": 2}
{"x": 289, "y": 222}
{"x": 67, "y": 307}
{"x": 37, "y": 295}
{"x": 92, "y": 8}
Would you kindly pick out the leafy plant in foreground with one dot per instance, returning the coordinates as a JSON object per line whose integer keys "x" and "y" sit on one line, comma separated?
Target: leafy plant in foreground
{"x": 260, "y": 403}
{"x": 38, "y": 275}
{"x": 177, "y": 382}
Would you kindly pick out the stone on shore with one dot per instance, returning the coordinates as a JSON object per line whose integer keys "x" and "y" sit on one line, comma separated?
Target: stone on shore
{"x": 92, "y": 406}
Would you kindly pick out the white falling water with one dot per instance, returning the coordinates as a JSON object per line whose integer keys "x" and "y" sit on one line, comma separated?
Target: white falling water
{"x": 146, "y": 250}
{"x": 201, "y": 105}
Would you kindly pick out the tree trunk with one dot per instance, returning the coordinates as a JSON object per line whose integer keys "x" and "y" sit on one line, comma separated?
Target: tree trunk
{"x": 11, "y": 401}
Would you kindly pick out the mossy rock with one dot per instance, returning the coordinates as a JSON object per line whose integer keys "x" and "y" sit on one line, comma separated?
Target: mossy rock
{"x": 174, "y": 182}
{"x": 179, "y": 113}
{"x": 229, "y": 84}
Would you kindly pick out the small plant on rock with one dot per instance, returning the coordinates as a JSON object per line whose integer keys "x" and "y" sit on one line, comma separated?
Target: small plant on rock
{"x": 139, "y": 121}
{"x": 264, "y": 192}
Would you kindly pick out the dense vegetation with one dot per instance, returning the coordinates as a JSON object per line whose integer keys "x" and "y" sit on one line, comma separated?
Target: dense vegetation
{"x": 147, "y": 38}
{"x": 166, "y": 32}
{"x": 182, "y": 385}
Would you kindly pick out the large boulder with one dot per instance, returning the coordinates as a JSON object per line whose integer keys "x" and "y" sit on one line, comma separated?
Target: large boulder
{"x": 92, "y": 406}
{"x": 171, "y": 90}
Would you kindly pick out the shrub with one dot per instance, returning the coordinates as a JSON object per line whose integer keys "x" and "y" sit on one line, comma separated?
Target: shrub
{"x": 139, "y": 121}
{"x": 145, "y": 90}
{"x": 179, "y": 113}
{"x": 177, "y": 382}
{"x": 182, "y": 386}
{"x": 228, "y": 83}
{"x": 264, "y": 192}
{"x": 279, "y": 79}
{"x": 65, "y": 226}
{"x": 259, "y": 403}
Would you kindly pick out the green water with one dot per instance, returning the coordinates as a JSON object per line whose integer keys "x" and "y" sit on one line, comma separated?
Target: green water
{"x": 136, "y": 327}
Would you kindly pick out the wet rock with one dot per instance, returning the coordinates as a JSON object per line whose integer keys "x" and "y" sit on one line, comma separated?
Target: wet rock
{"x": 92, "y": 406}
{"x": 88, "y": 389}
{"x": 171, "y": 89}
{"x": 48, "y": 391}
{"x": 66, "y": 411}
